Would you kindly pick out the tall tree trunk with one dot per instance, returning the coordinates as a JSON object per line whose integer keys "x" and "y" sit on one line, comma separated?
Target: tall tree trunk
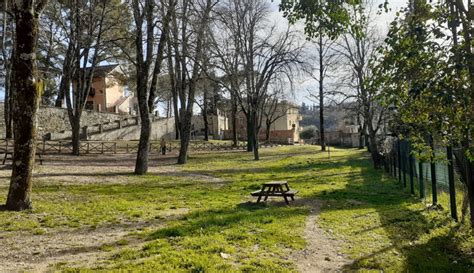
{"x": 9, "y": 91}
{"x": 361, "y": 132}
{"x": 185, "y": 137}
{"x": 468, "y": 32}
{"x": 76, "y": 135}
{"x": 267, "y": 130}
{"x": 250, "y": 139}
{"x": 205, "y": 116}
{"x": 321, "y": 94}
{"x": 255, "y": 137}
{"x": 26, "y": 103}
{"x": 141, "y": 164}
{"x": 234, "y": 119}
{"x": 8, "y": 68}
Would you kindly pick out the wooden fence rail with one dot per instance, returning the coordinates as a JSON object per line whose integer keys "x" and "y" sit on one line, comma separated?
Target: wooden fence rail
{"x": 124, "y": 147}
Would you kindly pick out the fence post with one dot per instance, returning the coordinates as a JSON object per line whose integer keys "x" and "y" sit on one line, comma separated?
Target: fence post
{"x": 422, "y": 184}
{"x": 404, "y": 166}
{"x": 434, "y": 190}
{"x": 399, "y": 162}
{"x": 452, "y": 189}
{"x": 394, "y": 164}
{"x": 412, "y": 182}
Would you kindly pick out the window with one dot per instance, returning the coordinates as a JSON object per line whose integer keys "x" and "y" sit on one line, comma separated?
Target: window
{"x": 89, "y": 105}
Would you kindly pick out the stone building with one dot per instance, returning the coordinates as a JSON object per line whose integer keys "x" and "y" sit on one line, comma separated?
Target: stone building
{"x": 218, "y": 124}
{"x": 285, "y": 128}
{"x": 107, "y": 93}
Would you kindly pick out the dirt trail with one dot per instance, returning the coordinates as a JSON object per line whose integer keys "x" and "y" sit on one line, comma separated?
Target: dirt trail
{"x": 77, "y": 247}
{"x": 322, "y": 252}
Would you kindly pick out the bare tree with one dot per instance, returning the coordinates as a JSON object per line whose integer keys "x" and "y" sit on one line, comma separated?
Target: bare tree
{"x": 189, "y": 25}
{"x": 25, "y": 101}
{"x": 148, "y": 66}
{"x": 256, "y": 58}
{"x": 358, "y": 49}
{"x": 327, "y": 62}
{"x": 6, "y": 47}
{"x": 275, "y": 107}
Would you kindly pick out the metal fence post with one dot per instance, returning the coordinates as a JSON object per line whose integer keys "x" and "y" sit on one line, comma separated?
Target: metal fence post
{"x": 434, "y": 190}
{"x": 404, "y": 166}
{"x": 422, "y": 184}
{"x": 394, "y": 165}
{"x": 399, "y": 163}
{"x": 412, "y": 182}
{"x": 452, "y": 189}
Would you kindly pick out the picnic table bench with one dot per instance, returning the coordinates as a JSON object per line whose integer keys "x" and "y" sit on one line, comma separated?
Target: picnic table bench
{"x": 7, "y": 152}
{"x": 275, "y": 188}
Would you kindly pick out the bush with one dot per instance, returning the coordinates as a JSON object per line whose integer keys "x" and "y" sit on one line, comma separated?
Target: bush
{"x": 308, "y": 132}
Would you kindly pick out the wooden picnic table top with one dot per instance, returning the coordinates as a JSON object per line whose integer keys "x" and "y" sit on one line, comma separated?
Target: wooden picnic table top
{"x": 275, "y": 183}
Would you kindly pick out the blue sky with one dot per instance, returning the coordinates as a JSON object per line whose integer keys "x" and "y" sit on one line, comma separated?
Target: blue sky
{"x": 300, "y": 88}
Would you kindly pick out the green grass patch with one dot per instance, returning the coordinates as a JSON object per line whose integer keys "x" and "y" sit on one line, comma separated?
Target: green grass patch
{"x": 190, "y": 224}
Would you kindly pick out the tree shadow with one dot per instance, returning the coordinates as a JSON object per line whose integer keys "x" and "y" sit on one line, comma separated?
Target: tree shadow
{"x": 242, "y": 215}
{"x": 405, "y": 226}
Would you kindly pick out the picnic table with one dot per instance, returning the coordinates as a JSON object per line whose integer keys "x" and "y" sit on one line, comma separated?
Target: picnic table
{"x": 275, "y": 188}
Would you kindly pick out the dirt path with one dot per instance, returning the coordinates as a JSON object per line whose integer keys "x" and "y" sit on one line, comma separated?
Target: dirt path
{"x": 322, "y": 252}
{"x": 77, "y": 247}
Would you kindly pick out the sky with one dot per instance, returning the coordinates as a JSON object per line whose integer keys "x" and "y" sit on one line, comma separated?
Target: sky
{"x": 301, "y": 88}
{"x": 300, "y": 92}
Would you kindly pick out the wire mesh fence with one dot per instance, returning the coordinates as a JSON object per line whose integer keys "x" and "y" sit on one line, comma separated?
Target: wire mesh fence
{"x": 440, "y": 181}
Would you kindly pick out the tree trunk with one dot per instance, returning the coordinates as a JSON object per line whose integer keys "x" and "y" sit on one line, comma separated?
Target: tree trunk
{"x": 26, "y": 103}
{"x": 185, "y": 138}
{"x": 250, "y": 139}
{"x": 141, "y": 164}
{"x": 206, "y": 127}
{"x": 321, "y": 94}
{"x": 377, "y": 158}
{"x": 174, "y": 90}
{"x": 9, "y": 91}
{"x": 470, "y": 188}
{"x": 234, "y": 121}
{"x": 361, "y": 133}
{"x": 205, "y": 117}
{"x": 267, "y": 130}
{"x": 255, "y": 137}
{"x": 76, "y": 135}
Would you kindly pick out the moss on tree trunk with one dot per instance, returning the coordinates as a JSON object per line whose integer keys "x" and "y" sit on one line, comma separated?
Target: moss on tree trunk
{"x": 25, "y": 106}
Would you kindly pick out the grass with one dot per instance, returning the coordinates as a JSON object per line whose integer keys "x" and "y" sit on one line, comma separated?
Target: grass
{"x": 197, "y": 225}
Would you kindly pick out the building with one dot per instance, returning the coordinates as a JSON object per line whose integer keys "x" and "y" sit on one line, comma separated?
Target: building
{"x": 218, "y": 124}
{"x": 107, "y": 93}
{"x": 284, "y": 128}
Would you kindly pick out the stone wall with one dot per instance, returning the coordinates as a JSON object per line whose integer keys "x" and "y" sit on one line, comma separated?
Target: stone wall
{"x": 161, "y": 128}
{"x": 55, "y": 120}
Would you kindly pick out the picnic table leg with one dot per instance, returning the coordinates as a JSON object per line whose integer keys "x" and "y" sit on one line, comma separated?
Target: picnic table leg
{"x": 284, "y": 196}
{"x": 268, "y": 193}
{"x": 266, "y": 197}
{"x": 260, "y": 195}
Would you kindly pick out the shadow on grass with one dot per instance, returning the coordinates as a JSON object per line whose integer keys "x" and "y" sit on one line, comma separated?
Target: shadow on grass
{"x": 242, "y": 215}
{"x": 405, "y": 226}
